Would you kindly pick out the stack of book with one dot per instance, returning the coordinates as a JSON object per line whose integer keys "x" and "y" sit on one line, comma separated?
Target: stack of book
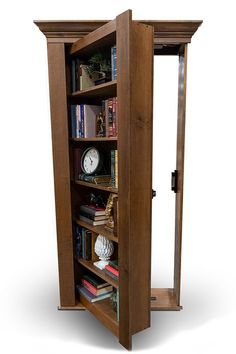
{"x": 112, "y": 269}
{"x": 83, "y": 120}
{"x": 95, "y": 179}
{"x": 92, "y": 215}
{"x": 109, "y": 116}
{"x": 94, "y": 289}
{"x": 84, "y": 243}
{"x": 114, "y": 168}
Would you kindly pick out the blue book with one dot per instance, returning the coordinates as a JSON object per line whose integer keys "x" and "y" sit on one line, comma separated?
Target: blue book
{"x": 82, "y": 120}
{"x": 73, "y": 121}
{"x": 90, "y": 297}
{"x": 113, "y": 63}
{"x": 78, "y": 240}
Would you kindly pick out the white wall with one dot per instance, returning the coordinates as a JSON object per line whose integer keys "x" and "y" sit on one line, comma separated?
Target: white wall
{"x": 28, "y": 266}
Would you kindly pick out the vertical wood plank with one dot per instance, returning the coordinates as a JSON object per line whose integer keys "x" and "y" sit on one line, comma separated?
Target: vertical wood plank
{"x": 123, "y": 37}
{"x": 59, "y": 126}
{"x": 180, "y": 168}
{"x": 141, "y": 174}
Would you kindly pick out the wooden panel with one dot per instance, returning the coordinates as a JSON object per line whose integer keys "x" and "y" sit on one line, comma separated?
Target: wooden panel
{"x": 101, "y": 186}
{"x": 164, "y": 300}
{"x": 58, "y": 103}
{"x": 103, "y": 311}
{"x": 180, "y": 168}
{"x": 134, "y": 65}
{"x": 89, "y": 265}
{"x": 102, "y": 36}
{"x": 106, "y": 90}
{"x": 78, "y": 306}
{"x": 141, "y": 173}
{"x": 123, "y": 37}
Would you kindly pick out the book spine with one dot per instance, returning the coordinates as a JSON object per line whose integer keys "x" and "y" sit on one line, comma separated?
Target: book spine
{"x": 113, "y": 276}
{"x": 89, "y": 286}
{"x": 114, "y": 116}
{"x": 116, "y": 169}
{"x": 113, "y": 168}
{"x": 77, "y": 79}
{"x": 114, "y": 63}
{"x": 73, "y": 121}
{"x": 88, "y": 235}
{"x": 82, "y": 120}
{"x": 78, "y": 241}
{"x": 110, "y": 117}
{"x": 112, "y": 270}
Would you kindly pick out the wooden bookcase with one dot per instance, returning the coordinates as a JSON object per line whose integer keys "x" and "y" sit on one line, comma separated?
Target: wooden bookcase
{"x": 137, "y": 42}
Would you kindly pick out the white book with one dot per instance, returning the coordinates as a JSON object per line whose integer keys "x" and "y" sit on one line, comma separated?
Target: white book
{"x": 90, "y": 114}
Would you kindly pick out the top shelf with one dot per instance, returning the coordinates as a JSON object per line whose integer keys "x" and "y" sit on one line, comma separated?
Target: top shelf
{"x": 104, "y": 36}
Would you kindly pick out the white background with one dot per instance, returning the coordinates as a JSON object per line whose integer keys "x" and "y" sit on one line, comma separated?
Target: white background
{"x": 29, "y": 319}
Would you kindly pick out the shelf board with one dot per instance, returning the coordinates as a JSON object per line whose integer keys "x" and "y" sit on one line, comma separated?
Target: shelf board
{"x": 97, "y": 230}
{"x": 95, "y": 40}
{"x": 78, "y": 306}
{"x": 112, "y": 138}
{"x": 89, "y": 265}
{"x": 165, "y": 300}
{"x": 104, "y": 312}
{"x": 102, "y": 91}
{"x": 101, "y": 186}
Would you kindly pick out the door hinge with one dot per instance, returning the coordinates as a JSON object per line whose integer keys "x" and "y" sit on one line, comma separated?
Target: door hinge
{"x": 174, "y": 181}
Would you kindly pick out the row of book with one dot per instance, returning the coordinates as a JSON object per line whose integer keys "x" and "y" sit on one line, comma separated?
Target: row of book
{"x": 114, "y": 168}
{"x": 94, "y": 289}
{"x": 112, "y": 270}
{"x": 82, "y": 79}
{"x": 92, "y": 215}
{"x": 84, "y": 243}
{"x": 89, "y": 121}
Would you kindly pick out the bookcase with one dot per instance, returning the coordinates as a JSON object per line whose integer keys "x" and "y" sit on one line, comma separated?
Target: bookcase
{"x": 136, "y": 44}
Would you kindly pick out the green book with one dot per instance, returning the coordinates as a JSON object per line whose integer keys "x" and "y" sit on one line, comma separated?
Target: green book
{"x": 95, "y": 281}
{"x": 114, "y": 264}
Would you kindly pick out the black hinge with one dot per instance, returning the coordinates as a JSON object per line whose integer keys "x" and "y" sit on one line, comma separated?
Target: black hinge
{"x": 174, "y": 181}
{"x": 154, "y": 193}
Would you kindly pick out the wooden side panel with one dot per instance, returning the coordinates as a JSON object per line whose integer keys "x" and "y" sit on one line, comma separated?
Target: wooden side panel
{"x": 180, "y": 168}
{"x": 134, "y": 89}
{"x": 141, "y": 174}
{"x": 123, "y": 37}
{"x": 57, "y": 84}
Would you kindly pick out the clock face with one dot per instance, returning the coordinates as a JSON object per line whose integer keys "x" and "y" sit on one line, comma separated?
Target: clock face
{"x": 90, "y": 161}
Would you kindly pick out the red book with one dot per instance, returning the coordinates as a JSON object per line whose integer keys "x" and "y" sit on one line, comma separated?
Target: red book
{"x": 112, "y": 270}
{"x": 89, "y": 286}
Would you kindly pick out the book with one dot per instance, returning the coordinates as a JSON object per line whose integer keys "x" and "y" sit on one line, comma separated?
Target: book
{"x": 93, "y": 210}
{"x": 112, "y": 270}
{"x": 110, "y": 116}
{"x": 92, "y": 217}
{"x": 78, "y": 240}
{"x": 94, "y": 290}
{"x": 75, "y": 74}
{"x": 113, "y": 63}
{"x": 114, "y": 132}
{"x": 114, "y": 264}
{"x": 77, "y": 162}
{"x": 89, "y": 296}
{"x": 113, "y": 276}
{"x": 95, "y": 179}
{"x": 92, "y": 222}
{"x": 90, "y": 114}
{"x": 116, "y": 169}
{"x": 97, "y": 282}
{"x": 73, "y": 120}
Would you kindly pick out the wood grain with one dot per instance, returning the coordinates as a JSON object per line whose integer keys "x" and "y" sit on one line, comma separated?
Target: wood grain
{"x": 101, "y": 186}
{"x": 58, "y": 105}
{"x": 180, "y": 168}
{"x": 165, "y": 300}
{"x": 97, "y": 230}
{"x": 102, "y": 91}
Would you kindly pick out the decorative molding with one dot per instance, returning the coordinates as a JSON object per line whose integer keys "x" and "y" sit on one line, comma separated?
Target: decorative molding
{"x": 165, "y": 32}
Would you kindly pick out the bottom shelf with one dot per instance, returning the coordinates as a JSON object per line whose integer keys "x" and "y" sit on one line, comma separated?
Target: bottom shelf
{"x": 103, "y": 311}
{"x": 165, "y": 300}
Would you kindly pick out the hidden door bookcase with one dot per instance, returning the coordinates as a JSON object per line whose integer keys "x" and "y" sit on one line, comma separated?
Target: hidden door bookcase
{"x": 136, "y": 44}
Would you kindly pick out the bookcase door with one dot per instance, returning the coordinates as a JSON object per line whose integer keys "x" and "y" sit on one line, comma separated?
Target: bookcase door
{"x": 134, "y": 92}
{"x": 134, "y": 89}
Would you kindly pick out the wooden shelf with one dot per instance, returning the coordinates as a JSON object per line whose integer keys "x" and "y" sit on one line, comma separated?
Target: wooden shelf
{"x": 97, "y": 230}
{"x": 165, "y": 300}
{"x": 104, "y": 312}
{"x": 112, "y": 138}
{"x": 101, "y": 273}
{"x": 102, "y": 91}
{"x": 101, "y": 186}
{"x": 78, "y": 306}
